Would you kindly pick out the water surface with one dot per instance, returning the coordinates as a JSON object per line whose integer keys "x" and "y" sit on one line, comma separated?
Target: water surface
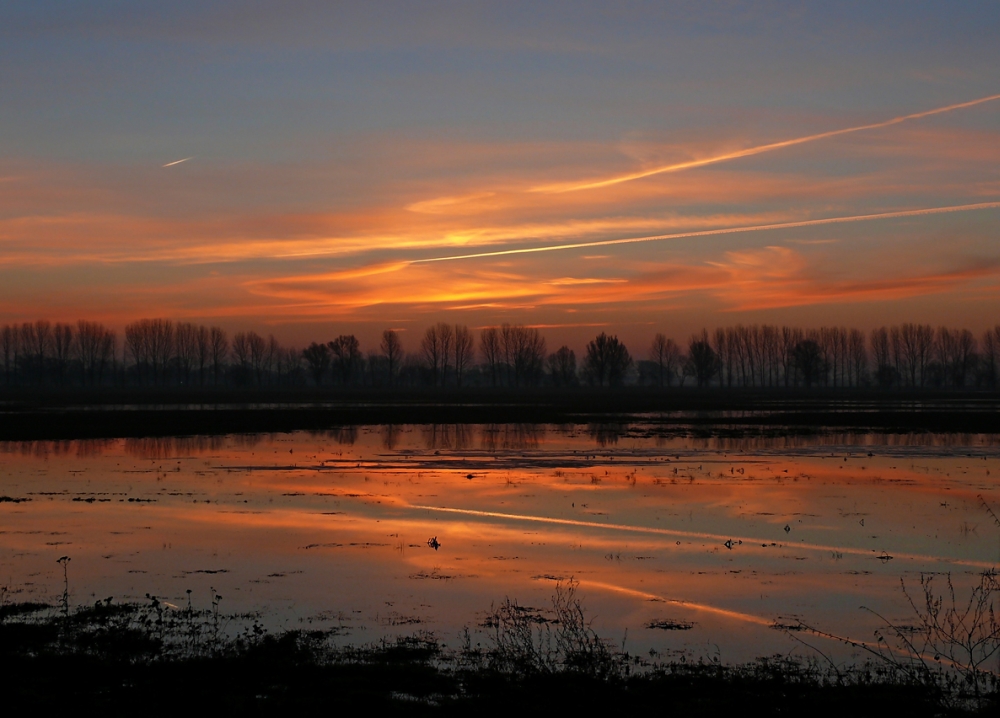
{"x": 694, "y": 547}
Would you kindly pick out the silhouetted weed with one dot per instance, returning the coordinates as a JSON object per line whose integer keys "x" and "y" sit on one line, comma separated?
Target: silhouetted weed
{"x": 153, "y": 657}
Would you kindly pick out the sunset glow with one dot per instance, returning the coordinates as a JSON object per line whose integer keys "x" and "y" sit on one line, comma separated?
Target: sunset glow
{"x": 309, "y": 173}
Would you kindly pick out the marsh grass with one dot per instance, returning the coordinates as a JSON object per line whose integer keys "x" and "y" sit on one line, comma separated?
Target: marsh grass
{"x": 949, "y": 647}
{"x": 166, "y": 659}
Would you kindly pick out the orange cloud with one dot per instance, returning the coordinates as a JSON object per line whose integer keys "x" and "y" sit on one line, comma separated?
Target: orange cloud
{"x": 750, "y": 151}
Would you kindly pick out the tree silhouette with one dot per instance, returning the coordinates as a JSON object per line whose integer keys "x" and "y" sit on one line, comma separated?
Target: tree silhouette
{"x": 809, "y": 361}
{"x": 464, "y": 351}
{"x": 885, "y": 371}
{"x": 241, "y": 352}
{"x": 218, "y": 348}
{"x": 392, "y": 350}
{"x": 562, "y": 367}
{"x": 185, "y": 350}
{"x": 203, "y": 341}
{"x": 62, "y": 344}
{"x": 607, "y": 360}
{"x": 666, "y": 355}
{"x": 430, "y": 345}
{"x": 489, "y": 347}
{"x": 317, "y": 357}
{"x": 702, "y": 361}
{"x": 346, "y": 352}
{"x": 9, "y": 346}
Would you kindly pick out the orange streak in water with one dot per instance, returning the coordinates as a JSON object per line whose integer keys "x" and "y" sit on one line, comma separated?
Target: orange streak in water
{"x": 738, "y": 615}
{"x": 750, "y": 541}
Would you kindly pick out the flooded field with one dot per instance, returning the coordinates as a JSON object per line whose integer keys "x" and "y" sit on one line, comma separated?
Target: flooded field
{"x": 702, "y": 548}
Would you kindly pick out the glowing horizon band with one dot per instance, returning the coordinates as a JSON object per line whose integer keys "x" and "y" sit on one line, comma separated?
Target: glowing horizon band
{"x": 713, "y": 232}
{"x": 751, "y": 151}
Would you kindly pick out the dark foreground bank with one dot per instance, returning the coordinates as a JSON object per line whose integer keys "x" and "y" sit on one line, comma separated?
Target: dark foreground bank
{"x": 153, "y": 659}
{"x": 54, "y": 415}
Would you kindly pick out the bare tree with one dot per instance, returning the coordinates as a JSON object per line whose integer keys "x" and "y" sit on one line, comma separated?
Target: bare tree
{"x": 702, "y": 361}
{"x": 882, "y": 356}
{"x": 258, "y": 349}
{"x": 106, "y": 354}
{"x": 9, "y": 345}
{"x": 346, "y": 352}
{"x": 810, "y": 361}
{"x": 607, "y": 360}
{"x": 161, "y": 341}
{"x": 489, "y": 347}
{"x": 392, "y": 350}
{"x": 858, "y": 357}
{"x": 723, "y": 350}
{"x": 446, "y": 338}
{"x": 292, "y": 362}
{"x": 203, "y": 342}
{"x": 528, "y": 354}
{"x": 965, "y": 356}
{"x": 218, "y": 349}
{"x": 432, "y": 350}
{"x": 562, "y": 366}
{"x": 150, "y": 343}
{"x": 241, "y": 352}
{"x": 317, "y": 358}
{"x": 464, "y": 351}
{"x": 990, "y": 362}
{"x": 87, "y": 346}
{"x": 272, "y": 354}
{"x": 185, "y": 350}
{"x": 62, "y": 345}
{"x": 666, "y": 355}
{"x": 36, "y": 342}
{"x": 790, "y": 336}
{"x": 136, "y": 346}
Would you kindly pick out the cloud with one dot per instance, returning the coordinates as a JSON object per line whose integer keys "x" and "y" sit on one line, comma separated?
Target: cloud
{"x": 751, "y": 151}
{"x": 714, "y": 232}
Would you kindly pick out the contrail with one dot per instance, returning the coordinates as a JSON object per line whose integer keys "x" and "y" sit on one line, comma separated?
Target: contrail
{"x": 177, "y": 162}
{"x": 712, "y": 232}
{"x": 750, "y": 151}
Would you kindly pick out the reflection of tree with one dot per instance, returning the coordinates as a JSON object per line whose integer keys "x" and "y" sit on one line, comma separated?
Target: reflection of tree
{"x": 511, "y": 437}
{"x": 344, "y": 435}
{"x": 166, "y": 447}
{"x": 391, "y": 434}
{"x": 86, "y": 448}
{"x": 447, "y": 436}
{"x": 606, "y": 434}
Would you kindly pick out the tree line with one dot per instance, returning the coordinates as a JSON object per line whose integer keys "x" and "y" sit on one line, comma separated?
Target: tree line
{"x": 160, "y": 353}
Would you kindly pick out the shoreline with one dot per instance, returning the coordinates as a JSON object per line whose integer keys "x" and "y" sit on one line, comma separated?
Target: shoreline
{"x": 48, "y": 415}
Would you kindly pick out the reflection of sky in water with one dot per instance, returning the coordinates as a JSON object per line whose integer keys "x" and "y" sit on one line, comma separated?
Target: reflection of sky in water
{"x": 333, "y": 527}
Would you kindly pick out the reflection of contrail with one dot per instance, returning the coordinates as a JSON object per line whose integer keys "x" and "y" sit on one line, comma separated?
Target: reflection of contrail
{"x": 749, "y": 541}
{"x": 705, "y": 607}
{"x": 750, "y": 151}
{"x": 177, "y": 162}
{"x": 728, "y": 230}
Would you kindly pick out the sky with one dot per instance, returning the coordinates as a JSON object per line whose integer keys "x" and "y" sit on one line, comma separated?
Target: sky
{"x": 291, "y": 167}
